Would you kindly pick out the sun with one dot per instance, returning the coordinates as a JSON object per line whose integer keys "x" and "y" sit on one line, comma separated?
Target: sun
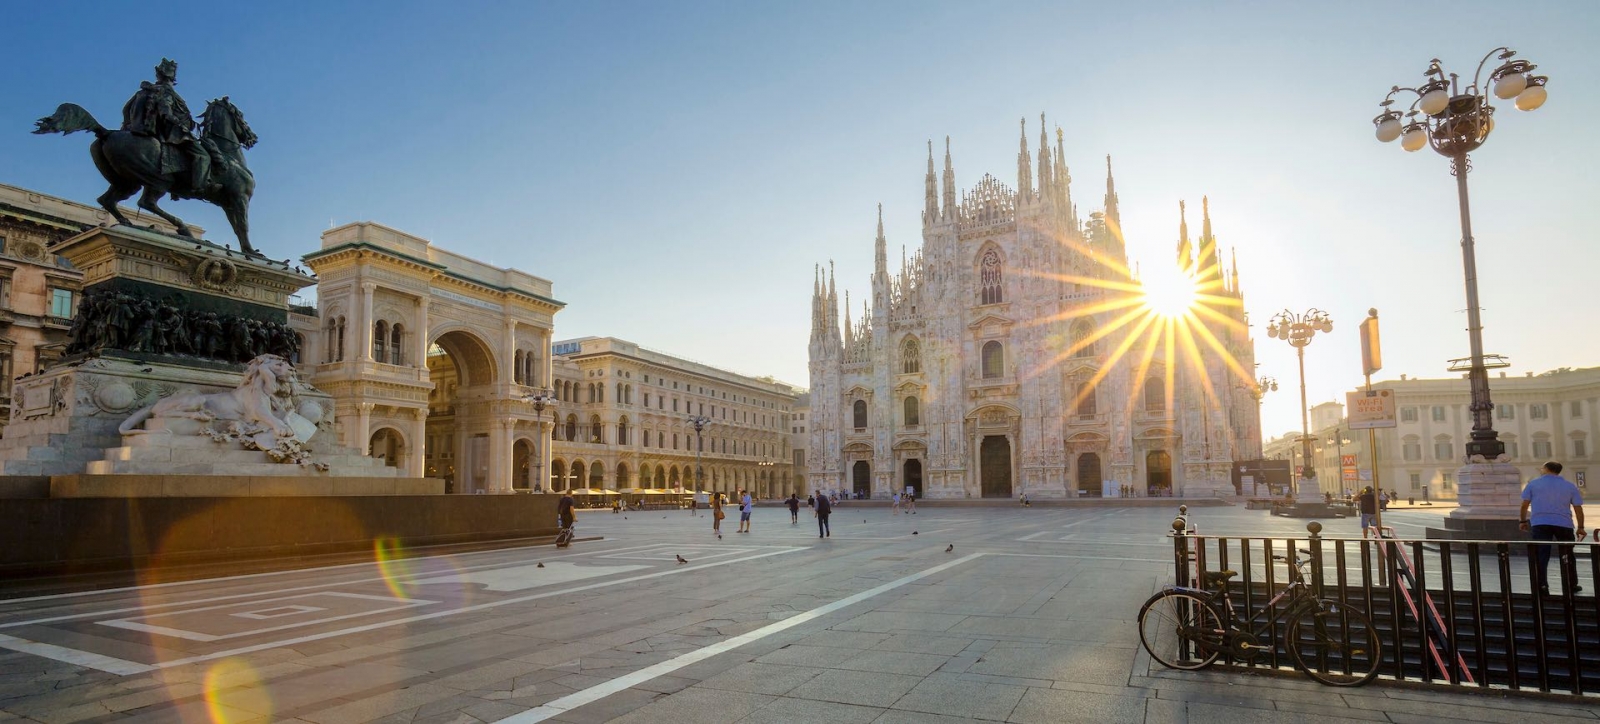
{"x": 1169, "y": 295}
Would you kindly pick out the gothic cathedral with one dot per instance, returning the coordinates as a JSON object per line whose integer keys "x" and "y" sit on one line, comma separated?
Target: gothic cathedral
{"x": 1013, "y": 355}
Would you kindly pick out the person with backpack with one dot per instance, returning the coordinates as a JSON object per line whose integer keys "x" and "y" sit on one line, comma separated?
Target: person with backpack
{"x": 824, "y": 509}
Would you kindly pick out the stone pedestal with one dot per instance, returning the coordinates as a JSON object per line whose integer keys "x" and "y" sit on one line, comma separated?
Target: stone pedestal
{"x": 169, "y": 318}
{"x": 1490, "y": 497}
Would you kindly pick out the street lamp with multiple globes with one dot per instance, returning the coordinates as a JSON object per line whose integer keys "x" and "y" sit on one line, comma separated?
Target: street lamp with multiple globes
{"x": 699, "y": 423}
{"x": 540, "y": 400}
{"x": 1455, "y": 121}
{"x": 1297, "y": 330}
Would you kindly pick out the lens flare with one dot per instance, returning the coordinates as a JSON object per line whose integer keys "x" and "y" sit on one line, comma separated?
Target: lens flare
{"x": 393, "y": 565}
{"x": 1170, "y": 295}
{"x": 233, "y": 692}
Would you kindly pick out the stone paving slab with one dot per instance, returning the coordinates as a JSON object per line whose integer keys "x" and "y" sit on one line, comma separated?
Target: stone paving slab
{"x": 1037, "y": 628}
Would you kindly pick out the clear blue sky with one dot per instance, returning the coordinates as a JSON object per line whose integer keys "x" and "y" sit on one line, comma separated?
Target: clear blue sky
{"x": 678, "y": 168}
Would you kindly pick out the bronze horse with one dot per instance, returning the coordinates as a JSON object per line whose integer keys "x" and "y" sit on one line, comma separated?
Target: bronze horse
{"x": 132, "y": 162}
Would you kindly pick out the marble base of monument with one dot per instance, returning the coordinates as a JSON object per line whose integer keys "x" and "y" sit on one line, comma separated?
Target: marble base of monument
{"x": 1489, "y": 495}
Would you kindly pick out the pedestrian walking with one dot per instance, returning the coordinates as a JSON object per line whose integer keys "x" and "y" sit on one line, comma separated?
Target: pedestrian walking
{"x": 895, "y": 507}
{"x": 746, "y": 507}
{"x": 794, "y": 509}
{"x": 1550, "y": 503}
{"x": 716, "y": 514}
{"x": 1367, "y": 505}
{"x": 824, "y": 509}
{"x": 911, "y": 504}
{"x": 811, "y": 501}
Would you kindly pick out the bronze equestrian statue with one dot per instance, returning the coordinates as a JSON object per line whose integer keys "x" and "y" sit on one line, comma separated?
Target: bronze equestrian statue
{"x": 156, "y": 150}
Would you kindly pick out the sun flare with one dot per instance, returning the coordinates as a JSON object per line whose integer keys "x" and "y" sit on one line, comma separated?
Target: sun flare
{"x": 1170, "y": 295}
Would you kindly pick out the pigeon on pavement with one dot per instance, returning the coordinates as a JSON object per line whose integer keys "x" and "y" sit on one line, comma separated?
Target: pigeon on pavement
{"x": 541, "y": 565}
{"x": 681, "y": 559}
{"x": 950, "y": 548}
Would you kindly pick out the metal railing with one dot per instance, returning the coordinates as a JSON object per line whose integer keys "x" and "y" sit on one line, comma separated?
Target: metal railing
{"x": 1453, "y": 613}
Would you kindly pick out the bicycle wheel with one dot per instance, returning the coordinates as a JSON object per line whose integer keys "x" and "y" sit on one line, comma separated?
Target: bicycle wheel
{"x": 1180, "y": 630}
{"x": 1336, "y": 644}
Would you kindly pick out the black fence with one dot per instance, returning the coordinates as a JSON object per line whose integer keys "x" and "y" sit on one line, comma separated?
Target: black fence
{"x": 1455, "y": 613}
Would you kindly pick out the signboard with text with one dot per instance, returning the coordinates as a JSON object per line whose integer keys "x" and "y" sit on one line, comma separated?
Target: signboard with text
{"x": 1370, "y": 409}
{"x": 1348, "y": 461}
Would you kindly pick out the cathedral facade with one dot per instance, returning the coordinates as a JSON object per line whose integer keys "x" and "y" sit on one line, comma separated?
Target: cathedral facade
{"x": 1014, "y": 354}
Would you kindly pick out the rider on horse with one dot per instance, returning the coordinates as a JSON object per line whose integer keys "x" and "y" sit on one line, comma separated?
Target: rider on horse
{"x": 157, "y": 111}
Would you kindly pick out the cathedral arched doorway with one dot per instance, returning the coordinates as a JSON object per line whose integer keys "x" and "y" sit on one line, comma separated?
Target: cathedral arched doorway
{"x": 1089, "y": 476}
{"x": 911, "y": 474}
{"x": 458, "y": 444}
{"x": 994, "y": 458}
{"x": 1158, "y": 473}
{"x": 861, "y": 479}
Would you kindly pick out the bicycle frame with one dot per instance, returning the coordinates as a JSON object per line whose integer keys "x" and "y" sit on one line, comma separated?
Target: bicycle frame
{"x": 1298, "y": 593}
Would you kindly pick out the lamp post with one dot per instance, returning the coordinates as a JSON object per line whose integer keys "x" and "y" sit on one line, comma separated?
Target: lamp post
{"x": 1338, "y": 440}
{"x": 1298, "y": 330}
{"x": 539, "y": 400}
{"x": 699, "y": 423}
{"x": 1455, "y": 121}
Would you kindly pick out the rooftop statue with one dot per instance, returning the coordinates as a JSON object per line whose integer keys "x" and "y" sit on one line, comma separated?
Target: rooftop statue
{"x": 156, "y": 150}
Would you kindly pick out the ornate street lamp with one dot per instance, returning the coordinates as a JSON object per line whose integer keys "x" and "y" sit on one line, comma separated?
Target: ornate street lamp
{"x": 1297, "y": 330}
{"x": 539, "y": 400}
{"x": 1455, "y": 121}
{"x": 699, "y": 423}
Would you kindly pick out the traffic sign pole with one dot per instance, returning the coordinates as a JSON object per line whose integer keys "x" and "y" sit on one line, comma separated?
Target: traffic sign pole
{"x": 1372, "y": 361}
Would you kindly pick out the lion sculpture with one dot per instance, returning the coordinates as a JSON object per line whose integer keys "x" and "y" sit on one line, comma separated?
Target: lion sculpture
{"x": 264, "y": 412}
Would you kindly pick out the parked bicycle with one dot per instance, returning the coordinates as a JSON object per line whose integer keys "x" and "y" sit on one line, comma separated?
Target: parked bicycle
{"x": 1189, "y": 628}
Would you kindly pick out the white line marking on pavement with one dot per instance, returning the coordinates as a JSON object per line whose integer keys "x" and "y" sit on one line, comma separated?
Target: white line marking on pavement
{"x": 600, "y": 691}
{"x": 124, "y": 667}
{"x": 311, "y": 587}
{"x": 245, "y": 576}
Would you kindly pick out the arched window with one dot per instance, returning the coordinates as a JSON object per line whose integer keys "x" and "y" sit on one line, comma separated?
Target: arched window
{"x": 572, "y": 427}
{"x": 529, "y": 376}
{"x": 860, "y": 410}
{"x": 516, "y": 369}
{"x": 622, "y": 430}
{"x": 910, "y": 356}
{"x": 994, "y": 360}
{"x": 991, "y": 274}
{"x": 579, "y": 475}
{"x": 396, "y": 335}
{"x": 597, "y": 474}
{"x": 1155, "y": 395}
{"x": 1087, "y": 404}
{"x": 599, "y": 392}
{"x": 622, "y": 475}
{"x": 619, "y": 400}
{"x": 913, "y": 411}
{"x": 380, "y": 344}
{"x": 339, "y": 356}
{"x": 1081, "y": 331}
{"x": 597, "y": 432}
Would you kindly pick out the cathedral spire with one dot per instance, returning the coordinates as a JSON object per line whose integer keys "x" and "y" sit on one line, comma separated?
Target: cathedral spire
{"x": 1046, "y": 172}
{"x": 1185, "y": 264}
{"x": 1209, "y": 261}
{"x": 1234, "y": 273}
{"x": 930, "y": 212}
{"x": 949, "y": 182}
{"x": 1024, "y": 168}
{"x": 1112, "y": 214}
{"x": 1064, "y": 182}
{"x": 880, "y": 252}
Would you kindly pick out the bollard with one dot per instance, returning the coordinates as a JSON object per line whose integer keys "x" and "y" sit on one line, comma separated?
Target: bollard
{"x": 1180, "y": 550}
{"x": 1315, "y": 546}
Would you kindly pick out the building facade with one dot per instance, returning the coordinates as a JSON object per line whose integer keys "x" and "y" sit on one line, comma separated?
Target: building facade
{"x": 1010, "y": 355}
{"x": 39, "y": 290}
{"x": 1553, "y": 415}
{"x": 622, "y": 420}
{"x": 429, "y": 354}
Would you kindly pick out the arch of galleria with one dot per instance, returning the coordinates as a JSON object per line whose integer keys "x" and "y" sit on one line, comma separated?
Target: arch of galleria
{"x": 431, "y": 356}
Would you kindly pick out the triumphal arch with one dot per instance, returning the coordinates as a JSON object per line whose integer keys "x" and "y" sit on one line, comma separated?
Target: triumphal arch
{"x": 429, "y": 354}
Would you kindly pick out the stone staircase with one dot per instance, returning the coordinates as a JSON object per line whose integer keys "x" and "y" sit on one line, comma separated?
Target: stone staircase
{"x": 177, "y": 447}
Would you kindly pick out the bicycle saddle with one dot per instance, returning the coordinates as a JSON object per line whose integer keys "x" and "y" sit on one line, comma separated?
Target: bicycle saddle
{"x": 1215, "y": 577}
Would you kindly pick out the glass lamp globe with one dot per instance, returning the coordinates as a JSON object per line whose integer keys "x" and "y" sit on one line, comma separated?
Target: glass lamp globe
{"x": 1414, "y": 139}
{"x": 1327, "y": 325}
{"x": 1389, "y": 129}
{"x": 1435, "y": 101}
{"x": 1510, "y": 85}
{"x": 1531, "y": 98}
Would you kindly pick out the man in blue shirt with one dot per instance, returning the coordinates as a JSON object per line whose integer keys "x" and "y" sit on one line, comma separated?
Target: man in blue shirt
{"x": 1550, "y": 503}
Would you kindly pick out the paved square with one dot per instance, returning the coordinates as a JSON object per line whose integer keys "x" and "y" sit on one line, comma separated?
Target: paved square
{"x": 1028, "y": 619}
